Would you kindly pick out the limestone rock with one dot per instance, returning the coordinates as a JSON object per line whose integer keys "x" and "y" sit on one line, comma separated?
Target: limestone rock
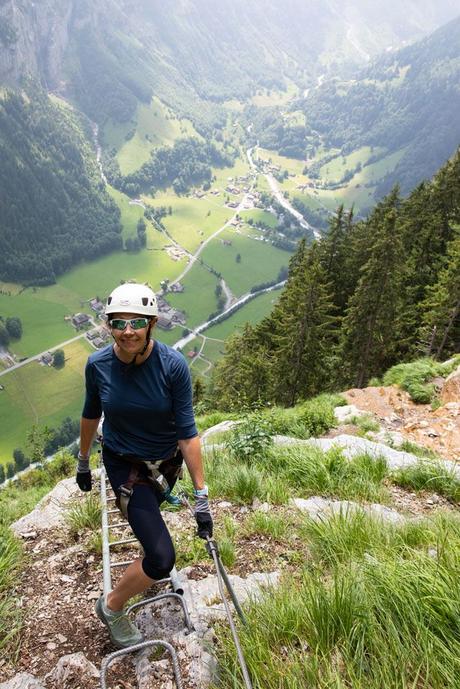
{"x": 49, "y": 512}
{"x": 74, "y": 666}
{"x": 345, "y": 413}
{"x": 321, "y": 508}
{"x": 451, "y": 388}
{"x": 22, "y": 681}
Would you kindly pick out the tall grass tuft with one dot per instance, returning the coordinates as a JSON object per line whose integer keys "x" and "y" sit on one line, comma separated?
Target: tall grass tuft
{"x": 10, "y": 613}
{"x": 267, "y": 524}
{"x": 429, "y": 475}
{"x": 84, "y": 515}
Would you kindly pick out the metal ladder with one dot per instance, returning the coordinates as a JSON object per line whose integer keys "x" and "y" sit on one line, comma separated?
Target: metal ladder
{"x": 108, "y": 526}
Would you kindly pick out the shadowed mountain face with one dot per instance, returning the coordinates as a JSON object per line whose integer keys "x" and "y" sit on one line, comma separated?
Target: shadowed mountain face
{"x": 193, "y": 49}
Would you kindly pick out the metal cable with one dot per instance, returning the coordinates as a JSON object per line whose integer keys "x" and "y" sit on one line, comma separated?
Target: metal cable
{"x": 222, "y": 576}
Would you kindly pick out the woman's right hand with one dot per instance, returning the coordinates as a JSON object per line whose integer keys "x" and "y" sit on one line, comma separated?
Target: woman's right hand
{"x": 83, "y": 478}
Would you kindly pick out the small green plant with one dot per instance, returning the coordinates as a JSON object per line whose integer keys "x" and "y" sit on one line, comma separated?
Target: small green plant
{"x": 246, "y": 484}
{"x": 230, "y": 526}
{"x": 365, "y": 423}
{"x": 84, "y": 515}
{"x": 418, "y": 450}
{"x": 414, "y": 377}
{"x": 317, "y": 414}
{"x": 250, "y": 439}
{"x": 227, "y": 552}
{"x": 267, "y": 524}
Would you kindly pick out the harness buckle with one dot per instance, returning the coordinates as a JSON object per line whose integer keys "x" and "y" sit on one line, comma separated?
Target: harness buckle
{"x": 126, "y": 492}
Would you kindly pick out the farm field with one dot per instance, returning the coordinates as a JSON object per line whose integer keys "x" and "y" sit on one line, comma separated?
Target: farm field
{"x": 192, "y": 220}
{"x": 252, "y": 312}
{"x": 259, "y": 261}
{"x": 41, "y": 394}
{"x": 198, "y": 300}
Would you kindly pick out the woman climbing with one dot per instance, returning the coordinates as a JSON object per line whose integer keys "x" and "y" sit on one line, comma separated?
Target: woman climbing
{"x": 143, "y": 388}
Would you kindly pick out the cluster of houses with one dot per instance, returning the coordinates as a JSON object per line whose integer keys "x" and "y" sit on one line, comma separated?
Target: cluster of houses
{"x": 167, "y": 316}
{"x": 98, "y": 337}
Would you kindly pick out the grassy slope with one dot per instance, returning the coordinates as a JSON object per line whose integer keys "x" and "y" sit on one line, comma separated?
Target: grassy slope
{"x": 41, "y": 394}
{"x": 154, "y": 125}
{"x": 260, "y": 261}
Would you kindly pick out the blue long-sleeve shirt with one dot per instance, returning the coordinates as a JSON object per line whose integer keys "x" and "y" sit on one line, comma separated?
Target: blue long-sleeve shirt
{"x": 147, "y": 408}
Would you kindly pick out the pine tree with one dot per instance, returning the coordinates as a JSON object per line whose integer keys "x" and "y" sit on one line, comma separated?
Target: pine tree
{"x": 242, "y": 378}
{"x": 368, "y": 338}
{"x": 441, "y": 308}
{"x": 303, "y": 325}
{"x": 334, "y": 250}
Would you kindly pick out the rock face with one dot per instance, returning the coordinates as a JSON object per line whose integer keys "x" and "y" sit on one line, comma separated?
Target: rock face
{"x": 75, "y": 668}
{"x": 36, "y": 38}
{"x": 50, "y": 510}
{"x": 320, "y": 508}
{"x": 22, "y": 681}
{"x": 451, "y": 388}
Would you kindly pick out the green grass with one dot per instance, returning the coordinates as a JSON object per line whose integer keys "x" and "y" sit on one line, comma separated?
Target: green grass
{"x": 414, "y": 377}
{"x": 198, "y": 281}
{"x": 84, "y": 515}
{"x": 252, "y": 312}
{"x": 154, "y": 125}
{"x": 260, "y": 261}
{"x": 41, "y": 394}
{"x": 372, "y": 608}
{"x": 429, "y": 475}
{"x": 260, "y": 216}
{"x": 193, "y": 220}
{"x": 269, "y": 524}
{"x": 43, "y": 322}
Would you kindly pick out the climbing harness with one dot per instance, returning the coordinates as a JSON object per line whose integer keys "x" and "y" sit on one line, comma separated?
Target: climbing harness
{"x": 108, "y": 564}
{"x": 162, "y": 474}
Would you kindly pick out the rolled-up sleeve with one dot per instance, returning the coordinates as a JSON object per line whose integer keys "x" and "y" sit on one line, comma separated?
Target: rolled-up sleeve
{"x": 92, "y": 408}
{"x": 182, "y": 399}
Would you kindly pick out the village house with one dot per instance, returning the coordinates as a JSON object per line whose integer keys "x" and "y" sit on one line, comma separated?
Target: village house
{"x": 80, "y": 319}
{"x": 164, "y": 321}
{"x": 46, "y": 359}
{"x": 98, "y": 342}
{"x": 177, "y": 287}
{"x": 96, "y": 305}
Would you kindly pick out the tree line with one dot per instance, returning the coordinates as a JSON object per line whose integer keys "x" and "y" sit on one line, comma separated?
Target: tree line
{"x": 372, "y": 293}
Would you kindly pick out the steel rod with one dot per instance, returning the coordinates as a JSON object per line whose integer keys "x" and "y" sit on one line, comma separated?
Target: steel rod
{"x": 140, "y": 647}
{"x": 106, "y": 575}
{"x": 163, "y": 596}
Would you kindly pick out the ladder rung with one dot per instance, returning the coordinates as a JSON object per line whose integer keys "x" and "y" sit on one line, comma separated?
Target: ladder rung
{"x": 121, "y": 564}
{"x": 111, "y": 499}
{"x": 118, "y": 525}
{"x": 124, "y": 540}
{"x": 112, "y": 511}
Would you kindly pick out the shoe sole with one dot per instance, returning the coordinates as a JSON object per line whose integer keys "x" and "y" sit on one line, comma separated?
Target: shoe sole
{"x": 100, "y": 614}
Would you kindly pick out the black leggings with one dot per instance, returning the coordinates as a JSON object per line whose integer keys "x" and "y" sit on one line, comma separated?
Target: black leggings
{"x": 144, "y": 517}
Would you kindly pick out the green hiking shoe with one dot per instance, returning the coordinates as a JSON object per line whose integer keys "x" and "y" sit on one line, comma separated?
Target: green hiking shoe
{"x": 123, "y": 633}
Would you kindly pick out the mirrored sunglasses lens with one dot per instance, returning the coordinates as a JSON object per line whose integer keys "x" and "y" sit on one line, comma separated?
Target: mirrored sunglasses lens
{"x": 138, "y": 323}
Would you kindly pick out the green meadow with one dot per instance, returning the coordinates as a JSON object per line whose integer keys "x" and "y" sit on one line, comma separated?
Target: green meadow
{"x": 41, "y": 394}
{"x": 198, "y": 300}
{"x": 259, "y": 261}
{"x": 252, "y": 312}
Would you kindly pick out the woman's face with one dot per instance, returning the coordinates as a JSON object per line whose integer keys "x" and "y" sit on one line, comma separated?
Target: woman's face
{"x": 130, "y": 339}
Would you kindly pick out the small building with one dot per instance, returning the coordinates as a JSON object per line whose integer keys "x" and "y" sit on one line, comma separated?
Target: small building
{"x": 92, "y": 334}
{"x": 47, "y": 359}
{"x": 80, "y": 319}
{"x": 96, "y": 305}
{"x": 98, "y": 342}
{"x": 177, "y": 287}
{"x": 164, "y": 322}
{"x": 191, "y": 354}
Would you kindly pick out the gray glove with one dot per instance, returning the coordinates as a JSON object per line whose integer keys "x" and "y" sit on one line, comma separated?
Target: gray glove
{"x": 84, "y": 479}
{"x": 203, "y": 514}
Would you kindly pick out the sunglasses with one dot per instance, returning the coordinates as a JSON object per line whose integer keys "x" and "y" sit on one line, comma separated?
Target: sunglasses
{"x": 134, "y": 323}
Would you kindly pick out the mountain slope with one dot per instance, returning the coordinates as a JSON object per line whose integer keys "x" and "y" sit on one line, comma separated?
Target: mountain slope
{"x": 406, "y": 100}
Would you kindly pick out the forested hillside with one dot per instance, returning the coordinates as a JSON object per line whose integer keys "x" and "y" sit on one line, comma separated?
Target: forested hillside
{"x": 54, "y": 209}
{"x": 372, "y": 293}
{"x": 406, "y": 100}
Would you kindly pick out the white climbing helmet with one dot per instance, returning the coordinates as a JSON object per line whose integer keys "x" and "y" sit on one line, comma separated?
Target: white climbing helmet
{"x": 132, "y": 298}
